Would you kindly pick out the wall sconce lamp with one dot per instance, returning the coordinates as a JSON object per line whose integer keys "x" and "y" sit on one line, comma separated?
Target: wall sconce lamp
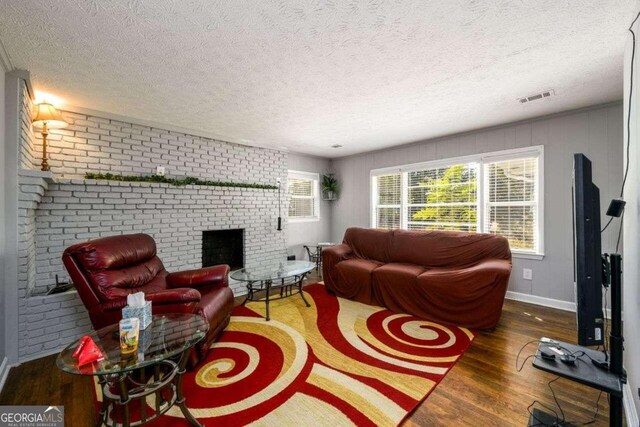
{"x": 47, "y": 117}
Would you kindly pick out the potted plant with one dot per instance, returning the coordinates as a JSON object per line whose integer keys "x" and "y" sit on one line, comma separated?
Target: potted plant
{"x": 330, "y": 187}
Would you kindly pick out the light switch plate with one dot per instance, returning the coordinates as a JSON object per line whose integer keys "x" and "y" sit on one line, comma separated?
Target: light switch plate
{"x": 527, "y": 274}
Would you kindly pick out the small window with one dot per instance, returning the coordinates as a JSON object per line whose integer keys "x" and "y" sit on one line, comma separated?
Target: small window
{"x": 303, "y": 189}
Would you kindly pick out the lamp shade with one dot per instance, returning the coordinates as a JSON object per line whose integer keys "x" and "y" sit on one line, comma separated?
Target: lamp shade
{"x": 47, "y": 113}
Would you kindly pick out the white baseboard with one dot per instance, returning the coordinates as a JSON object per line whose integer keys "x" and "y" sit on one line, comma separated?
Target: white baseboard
{"x": 630, "y": 411}
{"x": 4, "y": 371}
{"x": 547, "y": 302}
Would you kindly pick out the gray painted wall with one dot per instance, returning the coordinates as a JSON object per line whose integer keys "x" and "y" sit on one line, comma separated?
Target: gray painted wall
{"x": 300, "y": 233}
{"x": 596, "y": 131}
{"x": 630, "y": 268}
{"x": 3, "y": 257}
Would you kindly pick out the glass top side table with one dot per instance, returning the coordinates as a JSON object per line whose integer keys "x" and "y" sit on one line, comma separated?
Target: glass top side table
{"x": 163, "y": 349}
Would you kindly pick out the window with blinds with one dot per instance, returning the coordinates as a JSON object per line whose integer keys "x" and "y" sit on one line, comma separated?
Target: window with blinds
{"x": 491, "y": 193}
{"x": 443, "y": 198}
{"x": 388, "y": 196}
{"x": 303, "y": 196}
{"x": 511, "y": 201}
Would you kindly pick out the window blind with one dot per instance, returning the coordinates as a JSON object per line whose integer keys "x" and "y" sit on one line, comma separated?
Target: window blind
{"x": 511, "y": 201}
{"x": 443, "y": 198}
{"x": 302, "y": 198}
{"x": 388, "y": 201}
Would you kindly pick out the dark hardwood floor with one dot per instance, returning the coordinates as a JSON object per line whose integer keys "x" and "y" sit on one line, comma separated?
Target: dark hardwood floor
{"x": 482, "y": 389}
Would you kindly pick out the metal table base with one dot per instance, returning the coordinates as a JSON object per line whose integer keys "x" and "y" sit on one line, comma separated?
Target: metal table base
{"x": 167, "y": 374}
{"x": 287, "y": 286}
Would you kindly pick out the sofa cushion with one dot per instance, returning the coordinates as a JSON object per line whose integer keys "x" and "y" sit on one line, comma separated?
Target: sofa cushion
{"x": 369, "y": 243}
{"x": 354, "y": 278}
{"x": 393, "y": 284}
{"x": 470, "y": 297}
{"x": 396, "y": 274}
{"x": 444, "y": 249}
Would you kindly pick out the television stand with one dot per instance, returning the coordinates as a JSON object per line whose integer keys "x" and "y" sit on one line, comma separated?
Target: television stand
{"x": 584, "y": 371}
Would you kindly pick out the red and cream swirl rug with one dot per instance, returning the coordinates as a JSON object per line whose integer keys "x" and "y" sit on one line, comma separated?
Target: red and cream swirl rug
{"x": 336, "y": 363}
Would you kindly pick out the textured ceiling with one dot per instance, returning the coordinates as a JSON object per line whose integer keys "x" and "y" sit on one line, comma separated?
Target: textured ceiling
{"x": 307, "y": 74}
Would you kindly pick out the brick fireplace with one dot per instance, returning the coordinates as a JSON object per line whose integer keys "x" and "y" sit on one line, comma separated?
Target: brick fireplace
{"x": 62, "y": 208}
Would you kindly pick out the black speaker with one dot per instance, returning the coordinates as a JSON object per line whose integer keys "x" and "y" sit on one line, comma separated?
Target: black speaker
{"x": 616, "y": 207}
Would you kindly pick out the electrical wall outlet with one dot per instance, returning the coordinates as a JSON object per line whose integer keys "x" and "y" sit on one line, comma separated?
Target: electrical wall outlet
{"x": 160, "y": 170}
{"x": 527, "y": 274}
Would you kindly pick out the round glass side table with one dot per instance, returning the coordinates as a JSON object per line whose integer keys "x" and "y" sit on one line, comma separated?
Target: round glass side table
{"x": 163, "y": 350}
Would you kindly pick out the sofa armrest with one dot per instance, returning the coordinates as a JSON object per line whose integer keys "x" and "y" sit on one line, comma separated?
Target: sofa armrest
{"x": 178, "y": 296}
{"x": 215, "y": 275}
{"x": 178, "y": 300}
{"x": 337, "y": 253}
{"x": 331, "y": 256}
{"x": 174, "y": 296}
{"x": 499, "y": 267}
{"x": 469, "y": 296}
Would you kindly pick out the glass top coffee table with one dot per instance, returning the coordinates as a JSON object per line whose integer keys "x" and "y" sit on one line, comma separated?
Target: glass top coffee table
{"x": 163, "y": 350}
{"x": 287, "y": 276}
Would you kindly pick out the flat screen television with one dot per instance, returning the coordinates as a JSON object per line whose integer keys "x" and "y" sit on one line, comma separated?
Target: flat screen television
{"x": 587, "y": 254}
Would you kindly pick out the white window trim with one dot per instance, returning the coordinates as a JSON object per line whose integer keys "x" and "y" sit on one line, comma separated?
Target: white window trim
{"x": 315, "y": 177}
{"x": 481, "y": 159}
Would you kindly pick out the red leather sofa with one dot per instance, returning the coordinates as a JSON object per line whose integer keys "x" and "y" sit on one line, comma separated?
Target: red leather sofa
{"x": 444, "y": 276}
{"x": 106, "y": 270}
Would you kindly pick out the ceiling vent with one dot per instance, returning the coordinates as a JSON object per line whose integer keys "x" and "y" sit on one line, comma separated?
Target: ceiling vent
{"x": 537, "y": 96}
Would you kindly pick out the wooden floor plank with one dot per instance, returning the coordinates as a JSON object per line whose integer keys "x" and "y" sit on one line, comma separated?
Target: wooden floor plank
{"x": 483, "y": 388}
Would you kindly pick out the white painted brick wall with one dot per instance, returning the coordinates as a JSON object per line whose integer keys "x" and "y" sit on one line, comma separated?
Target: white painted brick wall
{"x": 55, "y": 215}
{"x": 94, "y": 144}
{"x": 73, "y": 211}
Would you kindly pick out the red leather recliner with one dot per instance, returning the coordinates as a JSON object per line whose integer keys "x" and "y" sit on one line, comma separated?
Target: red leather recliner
{"x": 106, "y": 270}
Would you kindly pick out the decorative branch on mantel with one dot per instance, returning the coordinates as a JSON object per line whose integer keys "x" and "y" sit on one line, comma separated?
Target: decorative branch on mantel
{"x": 179, "y": 182}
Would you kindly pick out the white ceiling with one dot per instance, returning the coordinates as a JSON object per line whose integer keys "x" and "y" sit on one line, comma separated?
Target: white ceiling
{"x": 307, "y": 74}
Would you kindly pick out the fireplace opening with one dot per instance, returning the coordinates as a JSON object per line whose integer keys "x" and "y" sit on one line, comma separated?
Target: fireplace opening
{"x": 223, "y": 247}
